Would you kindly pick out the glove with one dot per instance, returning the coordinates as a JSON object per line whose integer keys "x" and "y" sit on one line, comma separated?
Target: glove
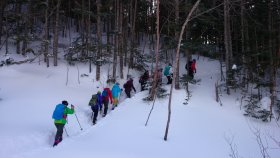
{"x": 121, "y": 89}
{"x": 72, "y": 106}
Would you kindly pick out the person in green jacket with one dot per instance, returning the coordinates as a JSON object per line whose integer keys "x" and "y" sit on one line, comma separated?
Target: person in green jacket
{"x": 60, "y": 118}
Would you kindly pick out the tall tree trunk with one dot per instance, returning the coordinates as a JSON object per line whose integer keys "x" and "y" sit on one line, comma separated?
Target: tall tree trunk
{"x": 155, "y": 79}
{"x": 121, "y": 39}
{"x": 82, "y": 24}
{"x": 99, "y": 40}
{"x": 228, "y": 43}
{"x": 177, "y": 60}
{"x": 55, "y": 38}
{"x": 116, "y": 36}
{"x": 133, "y": 35}
{"x": 177, "y": 33}
{"x": 88, "y": 43}
{"x": 18, "y": 36}
{"x": 2, "y": 8}
{"x": 272, "y": 61}
{"x": 46, "y": 35}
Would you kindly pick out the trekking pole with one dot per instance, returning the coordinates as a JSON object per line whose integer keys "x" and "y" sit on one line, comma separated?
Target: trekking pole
{"x": 66, "y": 132}
{"x": 79, "y": 122}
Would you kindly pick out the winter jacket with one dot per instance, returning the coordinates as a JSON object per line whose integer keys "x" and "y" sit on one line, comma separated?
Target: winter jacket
{"x": 66, "y": 111}
{"x": 115, "y": 91}
{"x": 108, "y": 96}
{"x": 144, "y": 78}
{"x": 128, "y": 86}
{"x": 193, "y": 66}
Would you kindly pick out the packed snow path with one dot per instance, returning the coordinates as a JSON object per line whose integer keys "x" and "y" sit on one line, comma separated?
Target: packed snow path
{"x": 199, "y": 129}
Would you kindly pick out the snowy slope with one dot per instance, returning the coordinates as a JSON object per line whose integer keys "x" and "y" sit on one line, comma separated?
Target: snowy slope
{"x": 199, "y": 129}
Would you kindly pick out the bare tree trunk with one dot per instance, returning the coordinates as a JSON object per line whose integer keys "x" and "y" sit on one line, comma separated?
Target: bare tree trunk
{"x": 177, "y": 60}
{"x": 18, "y": 38}
{"x": 46, "y": 35}
{"x": 121, "y": 39}
{"x": 82, "y": 24}
{"x": 133, "y": 35}
{"x": 177, "y": 33}
{"x": 98, "y": 3}
{"x": 55, "y": 38}
{"x": 155, "y": 79}
{"x": 89, "y": 35}
{"x": 2, "y": 7}
{"x": 115, "y": 56}
{"x": 272, "y": 56}
{"x": 228, "y": 42}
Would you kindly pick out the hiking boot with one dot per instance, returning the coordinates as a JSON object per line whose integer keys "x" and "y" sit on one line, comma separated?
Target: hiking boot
{"x": 103, "y": 115}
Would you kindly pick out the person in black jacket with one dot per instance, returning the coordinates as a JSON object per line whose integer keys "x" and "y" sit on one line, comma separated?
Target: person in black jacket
{"x": 143, "y": 80}
{"x": 128, "y": 86}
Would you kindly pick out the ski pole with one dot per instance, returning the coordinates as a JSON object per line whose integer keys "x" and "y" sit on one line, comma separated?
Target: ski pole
{"x": 66, "y": 132}
{"x": 79, "y": 122}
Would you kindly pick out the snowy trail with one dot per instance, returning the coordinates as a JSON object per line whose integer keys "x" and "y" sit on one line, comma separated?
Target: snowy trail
{"x": 198, "y": 129}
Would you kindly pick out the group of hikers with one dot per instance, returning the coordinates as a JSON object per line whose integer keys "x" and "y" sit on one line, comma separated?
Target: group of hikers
{"x": 102, "y": 99}
{"x": 97, "y": 102}
{"x": 168, "y": 73}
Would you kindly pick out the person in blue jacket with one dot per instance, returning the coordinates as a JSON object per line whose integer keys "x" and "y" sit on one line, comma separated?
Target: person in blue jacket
{"x": 116, "y": 90}
{"x": 60, "y": 118}
{"x": 96, "y": 104}
{"x": 168, "y": 72}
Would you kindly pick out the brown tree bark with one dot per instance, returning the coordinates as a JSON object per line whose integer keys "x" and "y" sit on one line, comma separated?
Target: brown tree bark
{"x": 46, "y": 35}
{"x": 155, "y": 79}
{"x": 55, "y": 38}
{"x": 177, "y": 34}
{"x": 116, "y": 37}
{"x": 177, "y": 60}
{"x": 227, "y": 42}
{"x": 99, "y": 40}
{"x": 2, "y": 8}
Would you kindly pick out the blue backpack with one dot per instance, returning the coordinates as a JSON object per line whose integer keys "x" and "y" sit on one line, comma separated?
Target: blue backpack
{"x": 166, "y": 70}
{"x": 104, "y": 93}
{"x": 58, "y": 112}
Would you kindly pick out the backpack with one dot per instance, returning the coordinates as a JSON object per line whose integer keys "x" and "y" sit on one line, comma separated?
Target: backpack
{"x": 58, "y": 112}
{"x": 125, "y": 86}
{"x": 93, "y": 100}
{"x": 166, "y": 70}
{"x": 104, "y": 93}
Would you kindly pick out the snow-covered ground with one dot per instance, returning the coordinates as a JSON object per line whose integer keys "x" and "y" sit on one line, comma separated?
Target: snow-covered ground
{"x": 200, "y": 129}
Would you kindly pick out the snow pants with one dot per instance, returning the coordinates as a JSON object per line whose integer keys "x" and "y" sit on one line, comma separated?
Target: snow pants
{"x": 59, "y": 132}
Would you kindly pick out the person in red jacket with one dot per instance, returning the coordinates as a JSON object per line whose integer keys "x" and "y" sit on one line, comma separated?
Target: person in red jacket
{"x": 193, "y": 67}
{"x": 106, "y": 95}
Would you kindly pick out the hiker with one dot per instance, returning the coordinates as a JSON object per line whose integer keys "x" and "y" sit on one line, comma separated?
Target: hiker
{"x": 193, "y": 66}
{"x": 128, "y": 86}
{"x": 106, "y": 95}
{"x": 59, "y": 116}
{"x": 116, "y": 90}
{"x": 96, "y": 105}
{"x": 168, "y": 72}
{"x": 143, "y": 80}
{"x": 188, "y": 67}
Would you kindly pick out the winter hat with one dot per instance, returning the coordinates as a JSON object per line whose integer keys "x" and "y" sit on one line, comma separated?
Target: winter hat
{"x": 64, "y": 102}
